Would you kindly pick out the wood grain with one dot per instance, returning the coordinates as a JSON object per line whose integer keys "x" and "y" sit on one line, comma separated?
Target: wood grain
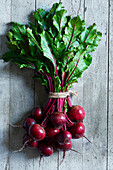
{"x": 95, "y": 91}
{"x": 4, "y": 114}
{"x": 110, "y": 90}
{"x": 19, "y": 93}
{"x": 5, "y": 18}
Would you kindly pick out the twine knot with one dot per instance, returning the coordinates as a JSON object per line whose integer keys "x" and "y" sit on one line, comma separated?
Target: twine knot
{"x": 62, "y": 94}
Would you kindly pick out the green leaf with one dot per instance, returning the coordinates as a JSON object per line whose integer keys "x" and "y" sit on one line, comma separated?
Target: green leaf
{"x": 81, "y": 62}
{"x": 57, "y": 84}
{"x": 42, "y": 79}
{"x": 59, "y": 19}
{"x": 54, "y": 43}
{"x": 97, "y": 38}
{"x": 89, "y": 34}
{"x": 56, "y": 7}
{"x": 39, "y": 16}
{"x": 47, "y": 51}
{"x": 74, "y": 28}
{"x": 19, "y": 31}
{"x": 32, "y": 39}
{"x": 90, "y": 38}
{"x": 21, "y": 60}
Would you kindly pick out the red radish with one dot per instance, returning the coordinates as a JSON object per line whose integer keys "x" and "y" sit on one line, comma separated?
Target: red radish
{"x": 37, "y": 132}
{"x": 31, "y": 143}
{"x": 64, "y": 137}
{"x": 37, "y": 113}
{"x": 76, "y": 113}
{"x": 77, "y": 130}
{"x": 28, "y": 122}
{"x": 45, "y": 150}
{"x": 51, "y": 132}
{"x": 58, "y": 119}
{"x": 65, "y": 147}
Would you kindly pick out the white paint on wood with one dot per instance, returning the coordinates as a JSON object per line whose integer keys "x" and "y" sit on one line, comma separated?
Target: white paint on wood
{"x": 45, "y": 4}
{"x": 21, "y": 95}
{"x": 5, "y": 11}
{"x": 4, "y": 114}
{"x": 95, "y": 91}
{"x": 5, "y": 18}
{"x": 110, "y": 117}
{"x": 21, "y": 10}
{"x": 17, "y": 95}
{"x": 74, "y": 7}
{"x": 3, "y": 39}
{"x": 22, "y": 102}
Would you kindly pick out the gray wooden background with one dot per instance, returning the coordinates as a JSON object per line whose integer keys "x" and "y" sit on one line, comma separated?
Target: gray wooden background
{"x": 19, "y": 93}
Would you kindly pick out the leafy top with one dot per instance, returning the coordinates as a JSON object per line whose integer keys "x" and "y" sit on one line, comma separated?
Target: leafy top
{"x": 57, "y": 46}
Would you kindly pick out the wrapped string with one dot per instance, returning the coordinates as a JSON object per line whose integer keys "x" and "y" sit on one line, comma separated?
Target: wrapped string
{"x": 56, "y": 95}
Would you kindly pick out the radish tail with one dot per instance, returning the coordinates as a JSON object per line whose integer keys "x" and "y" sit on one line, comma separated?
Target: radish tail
{"x": 16, "y": 126}
{"x": 75, "y": 151}
{"x": 64, "y": 154}
{"x": 87, "y": 139}
{"x": 24, "y": 145}
{"x": 40, "y": 160}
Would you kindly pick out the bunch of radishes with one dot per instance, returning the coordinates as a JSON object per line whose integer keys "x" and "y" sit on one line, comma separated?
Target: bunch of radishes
{"x": 56, "y": 133}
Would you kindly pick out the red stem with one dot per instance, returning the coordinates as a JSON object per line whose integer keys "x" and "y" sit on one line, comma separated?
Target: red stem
{"x": 65, "y": 128}
{"x": 50, "y": 106}
{"x": 49, "y": 80}
{"x": 46, "y": 118}
{"x": 44, "y": 121}
{"x": 70, "y": 122}
{"x": 46, "y": 107}
{"x": 73, "y": 69}
{"x": 58, "y": 105}
{"x": 69, "y": 101}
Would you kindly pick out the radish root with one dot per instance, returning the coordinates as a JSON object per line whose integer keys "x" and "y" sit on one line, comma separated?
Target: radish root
{"x": 24, "y": 145}
{"x": 16, "y": 126}
{"x": 88, "y": 139}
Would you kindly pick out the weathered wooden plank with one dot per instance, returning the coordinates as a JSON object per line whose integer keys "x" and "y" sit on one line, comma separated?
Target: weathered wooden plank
{"x": 93, "y": 86}
{"x": 5, "y": 11}
{"x": 74, "y": 7}
{"x": 110, "y": 93}
{"x": 5, "y": 18}
{"x": 74, "y": 160}
{"x": 22, "y": 101}
{"x": 41, "y": 98}
{"x": 95, "y": 91}
{"x": 21, "y": 10}
{"x": 21, "y": 95}
{"x": 4, "y": 114}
